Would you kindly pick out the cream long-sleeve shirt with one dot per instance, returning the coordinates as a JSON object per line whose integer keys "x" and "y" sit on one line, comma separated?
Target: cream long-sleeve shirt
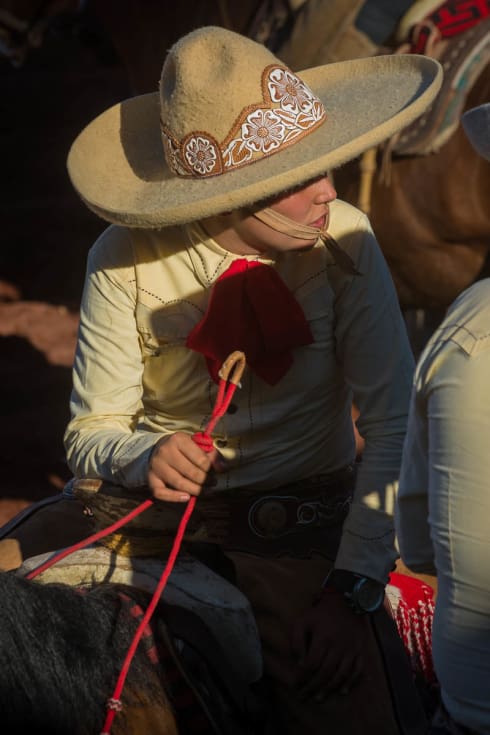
{"x": 443, "y": 507}
{"x": 135, "y": 381}
{"x": 444, "y": 496}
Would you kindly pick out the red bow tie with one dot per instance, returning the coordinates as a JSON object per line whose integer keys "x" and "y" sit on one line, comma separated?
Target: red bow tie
{"x": 252, "y": 310}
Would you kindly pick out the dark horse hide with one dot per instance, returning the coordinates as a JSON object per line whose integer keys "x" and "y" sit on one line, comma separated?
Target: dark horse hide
{"x": 61, "y": 652}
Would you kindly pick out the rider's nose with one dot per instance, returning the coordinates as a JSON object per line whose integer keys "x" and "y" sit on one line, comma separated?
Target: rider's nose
{"x": 325, "y": 191}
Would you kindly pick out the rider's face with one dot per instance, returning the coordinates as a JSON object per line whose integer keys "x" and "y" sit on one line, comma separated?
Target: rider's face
{"x": 243, "y": 233}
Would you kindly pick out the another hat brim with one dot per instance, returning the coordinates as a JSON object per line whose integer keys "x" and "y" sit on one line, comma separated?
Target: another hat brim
{"x": 476, "y": 124}
{"x": 117, "y": 165}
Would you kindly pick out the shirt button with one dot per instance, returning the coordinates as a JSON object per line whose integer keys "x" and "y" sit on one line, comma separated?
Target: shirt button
{"x": 232, "y": 408}
{"x": 221, "y": 443}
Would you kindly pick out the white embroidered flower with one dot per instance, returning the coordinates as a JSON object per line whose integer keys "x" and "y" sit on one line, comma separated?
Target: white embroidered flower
{"x": 289, "y": 91}
{"x": 263, "y": 131}
{"x": 200, "y": 154}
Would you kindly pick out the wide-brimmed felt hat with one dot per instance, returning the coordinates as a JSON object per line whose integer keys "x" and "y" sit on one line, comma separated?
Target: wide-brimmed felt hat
{"x": 476, "y": 124}
{"x": 231, "y": 126}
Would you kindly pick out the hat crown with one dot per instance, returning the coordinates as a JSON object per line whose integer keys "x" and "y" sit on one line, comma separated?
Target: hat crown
{"x": 226, "y": 102}
{"x": 208, "y": 77}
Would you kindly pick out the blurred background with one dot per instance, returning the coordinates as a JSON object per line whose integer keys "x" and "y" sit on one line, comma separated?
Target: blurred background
{"x": 61, "y": 64}
{"x": 47, "y": 97}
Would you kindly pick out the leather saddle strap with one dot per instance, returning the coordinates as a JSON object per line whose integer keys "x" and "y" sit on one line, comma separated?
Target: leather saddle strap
{"x": 407, "y": 703}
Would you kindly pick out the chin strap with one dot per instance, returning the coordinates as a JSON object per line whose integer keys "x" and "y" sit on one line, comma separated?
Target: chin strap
{"x": 286, "y": 226}
{"x": 281, "y": 223}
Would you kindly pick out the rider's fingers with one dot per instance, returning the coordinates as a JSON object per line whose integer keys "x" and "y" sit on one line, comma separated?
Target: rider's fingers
{"x": 174, "y": 487}
{"x": 161, "y": 492}
{"x": 180, "y": 458}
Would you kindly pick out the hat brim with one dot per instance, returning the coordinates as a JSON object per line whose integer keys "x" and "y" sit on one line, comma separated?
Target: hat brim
{"x": 476, "y": 124}
{"x": 118, "y": 168}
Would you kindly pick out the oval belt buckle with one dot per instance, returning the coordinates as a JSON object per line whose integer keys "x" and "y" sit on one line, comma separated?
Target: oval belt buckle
{"x": 268, "y": 517}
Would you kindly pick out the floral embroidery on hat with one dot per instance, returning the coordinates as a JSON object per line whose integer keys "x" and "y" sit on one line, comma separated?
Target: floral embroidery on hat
{"x": 291, "y": 92}
{"x": 201, "y": 154}
{"x": 289, "y": 111}
{"x": 263, "y": 131}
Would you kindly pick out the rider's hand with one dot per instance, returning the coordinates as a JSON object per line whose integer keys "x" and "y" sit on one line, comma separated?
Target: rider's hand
{"x": 178, "y": 468}
{"x": 327, "y": 643}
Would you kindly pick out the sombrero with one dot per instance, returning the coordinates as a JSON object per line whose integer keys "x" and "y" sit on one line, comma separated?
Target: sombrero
{"x": 231, "y": 126}
{"x": 476, "y": 124}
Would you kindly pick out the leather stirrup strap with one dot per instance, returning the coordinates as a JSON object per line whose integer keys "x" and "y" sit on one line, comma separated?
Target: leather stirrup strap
{"x": 407, "y": 703}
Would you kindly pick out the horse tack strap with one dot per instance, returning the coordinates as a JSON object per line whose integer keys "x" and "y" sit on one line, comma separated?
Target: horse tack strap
{"x": 195, "y": 689}
{"x": 407, "y": 705}
{"x": 449, "y": 19}
{"x": 147, "y": 640}
{"x": 463, "y": 57}
{"x": 189, "y": 711}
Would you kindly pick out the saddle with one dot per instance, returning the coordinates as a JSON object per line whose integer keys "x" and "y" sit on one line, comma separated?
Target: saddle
{"x": 457, "y": 34}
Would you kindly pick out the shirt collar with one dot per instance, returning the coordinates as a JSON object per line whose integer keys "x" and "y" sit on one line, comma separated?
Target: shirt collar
{"x": 208, "y": 258}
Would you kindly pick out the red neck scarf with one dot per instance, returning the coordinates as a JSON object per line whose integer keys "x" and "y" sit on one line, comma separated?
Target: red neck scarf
{"x": 251, "y": 309}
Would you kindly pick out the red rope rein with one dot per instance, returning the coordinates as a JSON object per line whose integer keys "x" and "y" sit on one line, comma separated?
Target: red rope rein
{"x": 230, "y": 375}
{"x": 114, "y": 703}
{"x": 90, "y": 539}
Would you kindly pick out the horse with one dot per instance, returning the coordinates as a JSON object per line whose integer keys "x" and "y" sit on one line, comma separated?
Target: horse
{"x": 60, "y": 664}
{"x": 431, "y": 218}
{"x": 65, "y": 638}
{"x": 63, "y": 646}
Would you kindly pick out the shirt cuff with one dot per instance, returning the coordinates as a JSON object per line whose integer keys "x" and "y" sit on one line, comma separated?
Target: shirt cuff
{"x": 368, "y": 543}
{"x": 130, "y": 468}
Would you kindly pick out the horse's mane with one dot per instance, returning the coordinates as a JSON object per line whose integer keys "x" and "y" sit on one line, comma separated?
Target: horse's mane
{"x": 60, "y": 656}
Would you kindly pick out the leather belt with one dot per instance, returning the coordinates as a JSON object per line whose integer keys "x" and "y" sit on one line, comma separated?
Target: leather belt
{"x": 296, "y": 519}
